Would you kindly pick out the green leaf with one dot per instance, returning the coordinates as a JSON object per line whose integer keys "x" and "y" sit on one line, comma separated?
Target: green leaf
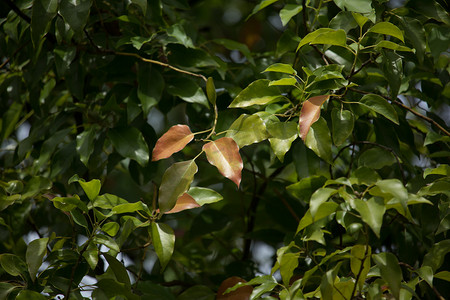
{"x": 30, "y": 295}
{"x": 319, "y": 140}
{"x": 130, "y": 143}
{"x": 372, "y": 212}
{"x": 360, "y": 262}
{"x": 6, "y": 289}
{"x": 9, "y": 120}
{"x": 443, "y": 170}
{"x": 91, "y": 255}
{"x": 163, "y": 239}
{"x": 393, "y": 191}
{"x": 118, "y": 269}
{"x": 79, "y": 218}
{"x": 178, "y": 32}
{"x": 13, "y": 265}
{"x": 444, "y": 275}
{"x": 175, "y": 181}
{"x": 42, "y": 13}
{"x": 342, "y": 125}
{"x": 388, "y": 29}
{"x": 69, "y": 203}
{"x": 360, "y": 19}
{"x": 288, "y": 263}
{"x": 150, "y": 86}
{"x": 320, "y": 196}
{"x": 204, "y": 196}
{"x": 379, "y": 105}
{"x": 343, "y": 20}
{"x": 142, "y": 4}
{"x": 327, "y": 283}
{"x": 376, "y": 158}
{"x": 289, "y": 11}
{"x": 291, "y": 81}
{"x": 224, "y": 155}
{"x": 281, "y": 68}
{"x": 325, "y": 209}
{"x": 282, "y": 134}
{"x": 36, "y": 251}
{"x": 262, "y": 4}
{"x": 199, "y": 292}
{"x": 247, "y": 130}
{"x": 390, "y": 271}
{"x": 435, "y": 256}
{"x": 211, "y": 91}
{"x": 107, "y": 241}
{"x": 326, "y": 36}
{"x": 392, "y": 46}
{"x": 359, "y": 6}
{"x": 75, "y": 13}
{"x": 130, "y": 207}
{"x": 108, "y": 201}
{"x": 188, "y": 90}
{"x": 91, "y": 188}
{"x": 257, "y": 93}
{"x": 14, "y": 187}
{"x": 233, "y": 45}
{"x": 426, "y": 272}
{"x": 111, "y": 228}
{"x": 85, "y": 144}
{"x": 174, "y": 140}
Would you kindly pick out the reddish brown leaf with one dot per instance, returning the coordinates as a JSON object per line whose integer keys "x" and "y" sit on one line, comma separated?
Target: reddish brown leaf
{"x": 174, "y": 140}
{"x": 224, "y": 154}
{"x": 310, "y": 113}
{"x": 242, "y": 293}
{"x": 184, "y": 202}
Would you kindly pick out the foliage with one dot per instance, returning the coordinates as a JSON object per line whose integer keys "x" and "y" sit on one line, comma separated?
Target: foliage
{"x": 321, "y": 126}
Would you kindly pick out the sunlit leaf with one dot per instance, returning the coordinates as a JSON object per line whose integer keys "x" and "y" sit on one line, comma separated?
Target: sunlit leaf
{"x": 91, "y": 188}
{"x": 281, "y": 68}
{"x": 284, "y": 81}
{"x": 107, "y": 241}
{"x": 163, "y": 239}
{"x": 175, "y": 181}
{"x": 388, "y": 29}
{"x": 111, "y": 228}
{"x": 360, "y": 262}
{"x": 257, "y": 93}
{"x": 174, "y": 140}
{"x": 379, "y": 105}
{"x": 204, "y": 195}
{"x": 443, "y": 170}
{"x": 184, "y": 202}
{"x": 319, "y": 139}
{"x": 392, "y": 46}
{"x": 224, "y": 154}
{"x": 372, "y": 212}
{"x": 310, "y": 113}
{"x": 247, "y": 130}
{"x": 282, "y": 135}
{"x": 289, "y": 11}
{"x": 318, "y": 197}
{"x": 325, "y": 36}
{"x": 390, "y": 271}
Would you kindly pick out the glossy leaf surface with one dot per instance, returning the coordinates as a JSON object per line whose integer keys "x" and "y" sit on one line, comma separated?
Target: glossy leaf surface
{"x": 163, "y": 239}
{"x": 310, "y": 113}
{"x": 174, "y": 140}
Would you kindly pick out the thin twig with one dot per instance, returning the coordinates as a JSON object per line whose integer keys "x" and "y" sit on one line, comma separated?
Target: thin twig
{"x": 18, "y": 11}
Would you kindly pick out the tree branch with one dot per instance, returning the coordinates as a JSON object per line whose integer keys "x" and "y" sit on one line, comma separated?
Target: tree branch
{"x": 18, "y": 11}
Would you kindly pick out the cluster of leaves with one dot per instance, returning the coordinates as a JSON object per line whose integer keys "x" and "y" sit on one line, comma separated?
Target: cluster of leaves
{"x": 344, "y": 170}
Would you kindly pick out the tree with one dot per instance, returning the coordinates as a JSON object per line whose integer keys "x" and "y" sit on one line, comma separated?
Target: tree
{"x": 150, "y": 151}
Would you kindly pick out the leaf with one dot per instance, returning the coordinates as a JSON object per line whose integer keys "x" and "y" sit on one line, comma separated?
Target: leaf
{"x": 426, "y": 272}
{"x": 390, "y": 271}
{"x": 188, "y": 90}
{"x": 107, "y": 241}
{"x": 119, "y": 270}
{"x": 175, "y": 182}
{"x": 319, "y": 140}
{"x": 211, "y": 91}
{"x": 130, "y": 143}
{"x": 247, "y": 130}
{"x": 262, "y": 4}
{"x": 91, "y": 188}
{"x": 359, "y": 6}
{"x": 326, "y": 36}
{"x": 204, "y": 196}
{"x": 392, "y": 46}
{"x": 291, "y": 81}
{"x": 111, "y": 228}
{"x": 342, "y": 125}
{"x": 108, "y": 201}
{"x": 150, "y": 86}
{"x": 318, "y": 197}
{"x": 379, "y": 105}
{"x": 30, "y": 295}
{"x": 372, "y": 212}
{"x": 281, "y": 68}
{"x": 443, "y": 170}
{"x": 85, "y": 144}
{"x": 75, "y": 13}
{"x": 436, "y": 255}
{"x": 288, "y": 263}
{"x": 310, "y": 113}
{"x": 174, "y": 140}
{"x": 9, "y": 120}
{"x": 130, "y": 207}
{"x": 142, "y": 4}
{"x": 376, "y": 158}
{"x": 444, "y": 275}
{"x": 327, "y": 283}
{"x": 325, "y": 209}
{"x": 42, "y": 13}
{"x": 396, "y": 192}
{"x": 233, "y": 45}
{"x": 178, "y": 32}
{"x": 343, "y": 20}
{"x": 13, "y": 265}
{"x": 257, "y": 93}
{"x": 67, "y": 204}
{"x": 224, "y": 155}
{"x": 360, "y": 262}
{"x": 282, "y": 135}
{"x": 163, "y": 239}
{"x": 6, "y": 289}
{"x": 388, "y": 29}
{"x": 242, "y": 293}
{"x": 289, "y": 11}
{"x": 360, "y": 19}
{"x": 184, "y": 202}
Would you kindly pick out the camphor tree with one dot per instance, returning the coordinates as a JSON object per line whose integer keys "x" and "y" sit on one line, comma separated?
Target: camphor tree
{"x": 152, "y": 149}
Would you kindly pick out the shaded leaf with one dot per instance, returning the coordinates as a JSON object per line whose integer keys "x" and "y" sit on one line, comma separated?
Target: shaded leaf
{"x": 444, "y": 275}
{"x": 242, "y": 293}
{"x": 174, "y": 140}
{"x": 75, "y": 13}
{"x": 372, "y": 212}
{"x": 247, "y": 130}
{"x": 224, "y": 155}
{"x": 118, "y": 269}
{"x": 163, "y": 239}
{"x": 129, "y": 142}
{"x": 13, "y": 265}
{"x": 392, "y": 46}
{"x": 310, "y": 113}
{"x": 376, "y": 158}
{"x": 211, "y": 91}
{"x": 9, "y": 120}
{"x": 436, "y": 255}
{"x": 233, "y": 45}
{"x": 184, "y": 202}
{"x": 42, "y": 13}
{"x": 178, "y": 32}
{"x": 204, "y": 196}
{"x": 319, "y": 140}
{"x": 390, "y": 271}
{"x": 130, "y": 207}
{"x": 30, "y": 295}
{"x": 85, "y": 144}
{"x": 342, "y": 125}
{"x": 150, "y": 86}
{"x": 359, "y": 6}
{"x": 188, "y": 90}
{"x": 380, "y": 105}
{"x": 262, "y": 4}
{"x": 282, "y": 135}
{"x": 257, "y": 93}
{"x": 388, "y": 29}
{"x": 360, "y": 262}
{"x": 107, "y": 241}
{"x": 175, "y": 181}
